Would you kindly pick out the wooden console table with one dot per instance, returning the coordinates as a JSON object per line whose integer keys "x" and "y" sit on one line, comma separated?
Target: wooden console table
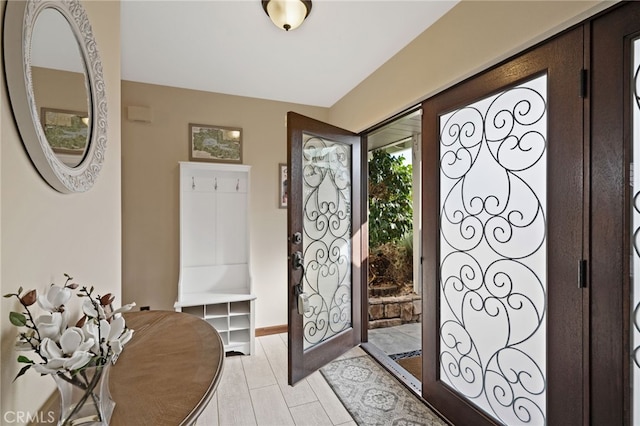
{"x": 167, "y": 373}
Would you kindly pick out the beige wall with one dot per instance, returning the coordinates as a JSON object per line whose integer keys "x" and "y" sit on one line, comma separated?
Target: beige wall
{"x": 57, "y": 89}
{"x": 150, "y": 156}
{"x": 469, "y": 38}
{"x": 44, "y": 233}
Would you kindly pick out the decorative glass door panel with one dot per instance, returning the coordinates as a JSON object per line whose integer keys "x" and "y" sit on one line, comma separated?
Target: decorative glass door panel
{"x": 324, "y": 223}
{"x": 326, "y": 187}
{"x": 493, "y": 252}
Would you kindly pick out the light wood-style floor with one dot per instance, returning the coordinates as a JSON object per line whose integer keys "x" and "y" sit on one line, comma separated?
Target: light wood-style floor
{"x": 253, "y": 390}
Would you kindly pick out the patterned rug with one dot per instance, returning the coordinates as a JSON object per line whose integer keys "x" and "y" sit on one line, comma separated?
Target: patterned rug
{"x": 374, "y": 397}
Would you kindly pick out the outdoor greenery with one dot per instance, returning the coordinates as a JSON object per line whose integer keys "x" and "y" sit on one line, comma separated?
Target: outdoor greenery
{"x": 390, "y": 202}
{"x": 390, "y": 222}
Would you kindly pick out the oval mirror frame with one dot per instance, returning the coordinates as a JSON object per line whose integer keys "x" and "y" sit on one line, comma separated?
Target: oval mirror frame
{"x": 19, "y": 22}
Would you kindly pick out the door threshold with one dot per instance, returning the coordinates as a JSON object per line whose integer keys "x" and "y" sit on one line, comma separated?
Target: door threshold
{"x": 403, "y": 376}
{"x": 406, "y": 378}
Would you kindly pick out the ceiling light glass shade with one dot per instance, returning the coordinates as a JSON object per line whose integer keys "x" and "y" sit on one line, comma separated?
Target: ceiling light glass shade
{"x": 287, "y": 14}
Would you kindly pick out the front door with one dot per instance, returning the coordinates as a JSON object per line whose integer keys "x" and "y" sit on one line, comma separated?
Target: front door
{"x": 325, "y": 240}
{"x": 504, "y": 240}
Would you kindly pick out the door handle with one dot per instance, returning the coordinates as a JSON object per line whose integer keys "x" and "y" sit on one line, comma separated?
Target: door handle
{"x": 297, "y": 261}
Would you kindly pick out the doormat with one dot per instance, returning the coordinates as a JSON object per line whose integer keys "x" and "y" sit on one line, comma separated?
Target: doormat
{"x": 373, "y": 396}
{"x": 410, "y": 361}
{"x": 413, "y": 365}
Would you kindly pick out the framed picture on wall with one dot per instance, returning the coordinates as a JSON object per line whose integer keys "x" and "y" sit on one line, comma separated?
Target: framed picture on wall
{"x": 282, "y": 180}
{"x": 216, "y": 144}
{"x": 67, "y": 133}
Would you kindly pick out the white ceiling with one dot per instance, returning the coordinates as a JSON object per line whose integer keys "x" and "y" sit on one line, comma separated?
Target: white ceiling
{"x": 231, "y": 46}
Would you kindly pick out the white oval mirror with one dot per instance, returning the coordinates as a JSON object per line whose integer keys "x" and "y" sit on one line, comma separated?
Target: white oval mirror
{"x": 57, "y": 91}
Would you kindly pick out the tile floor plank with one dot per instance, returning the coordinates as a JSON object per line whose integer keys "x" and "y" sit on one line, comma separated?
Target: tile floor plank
{"x": 234, "y": 400}
{"x": 300, "y": 393}
{"x": 284, "y": 338}
{"x": 270, "y": 407}
{"x": 328, "y": 399}
{"x": 277, "y": 354}
{"x": 311, "y": 414}
{"x": 257, "y": 368}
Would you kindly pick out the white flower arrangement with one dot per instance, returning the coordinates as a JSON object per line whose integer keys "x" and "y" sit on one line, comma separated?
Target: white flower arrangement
{"x": 64, "y": 350}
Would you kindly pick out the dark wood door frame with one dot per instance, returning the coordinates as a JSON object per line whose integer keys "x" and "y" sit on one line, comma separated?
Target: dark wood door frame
{"x": 562, "y": 59}
{"x": 610, "y": 115}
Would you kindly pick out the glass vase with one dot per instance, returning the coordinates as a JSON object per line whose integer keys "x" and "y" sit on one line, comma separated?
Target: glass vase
{"x": 84, "y": 397}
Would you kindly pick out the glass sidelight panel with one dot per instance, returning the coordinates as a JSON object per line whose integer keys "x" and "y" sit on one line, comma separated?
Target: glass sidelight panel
{"x": 327, "y": 250}
{"x": 635, "y": 232}
{"x": 493, "y": 253}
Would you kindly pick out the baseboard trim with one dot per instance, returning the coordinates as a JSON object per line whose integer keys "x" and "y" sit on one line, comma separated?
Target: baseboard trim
{"x": 275, "y": 329}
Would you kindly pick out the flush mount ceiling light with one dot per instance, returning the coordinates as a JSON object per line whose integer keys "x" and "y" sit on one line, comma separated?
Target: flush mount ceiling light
{"x": 287, "y": 14}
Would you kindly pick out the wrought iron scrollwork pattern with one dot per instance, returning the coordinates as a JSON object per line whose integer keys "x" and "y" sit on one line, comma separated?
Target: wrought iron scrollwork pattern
{"x": 493, "y": 253}
{"x": 326, "y": 170}
{"x": 635, "y": 237}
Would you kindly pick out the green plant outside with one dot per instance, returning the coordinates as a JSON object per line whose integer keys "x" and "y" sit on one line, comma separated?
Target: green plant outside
{"x": 390, "y": 199}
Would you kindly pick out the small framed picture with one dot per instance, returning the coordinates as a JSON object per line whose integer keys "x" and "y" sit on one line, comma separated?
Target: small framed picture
{"x": 282, "y": 180}
{"x": 67, "y": 133}
{"x": 216, "y": 144}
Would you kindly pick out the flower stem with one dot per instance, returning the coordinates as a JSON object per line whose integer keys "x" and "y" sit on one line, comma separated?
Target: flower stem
{"x": 32, "y": 326}
{"x": 88, "y": 388}
{"x": 96, "y": 400}
{"x": 73, "y": 381}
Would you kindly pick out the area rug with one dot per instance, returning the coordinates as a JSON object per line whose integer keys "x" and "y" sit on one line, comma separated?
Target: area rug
{"x": 373, "y": 396}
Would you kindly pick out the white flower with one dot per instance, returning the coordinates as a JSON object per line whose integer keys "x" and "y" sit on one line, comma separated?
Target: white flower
{"x": 90, "y": 310}
{"x": 74, "y": 340}
{"x": 55, "y": 297}
{"x": 53, "y": 354}
{"x": 126, "y": 336}
{"x": 110, "y": 337}
{"x": 124, "y": 308}
{"x": 118, "y": 335}
{"x": 116, "y": 328}
{"x": 90, "y": 331}
{"x": 71, "y": 354}
{"x": 51, "y": 325}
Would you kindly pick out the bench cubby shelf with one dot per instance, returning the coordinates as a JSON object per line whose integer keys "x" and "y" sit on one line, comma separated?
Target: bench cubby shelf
{"x": 215, "y": 277}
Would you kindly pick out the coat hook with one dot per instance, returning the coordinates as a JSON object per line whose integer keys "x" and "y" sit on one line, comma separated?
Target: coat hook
{"x": 215, "y": 184}
{"x": 238, "y": 185}
{"x": 193, "y": 183}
